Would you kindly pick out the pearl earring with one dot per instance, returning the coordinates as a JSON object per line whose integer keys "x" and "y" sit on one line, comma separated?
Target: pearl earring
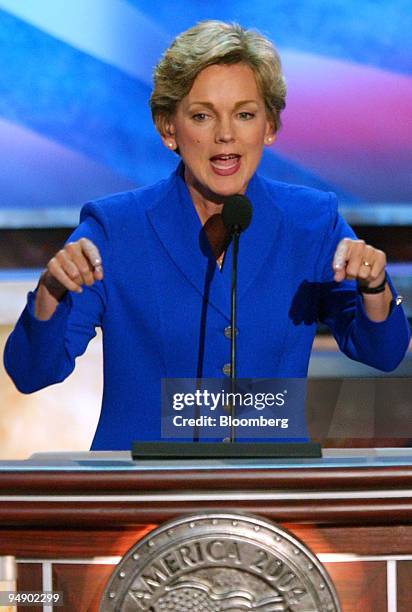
{"x": 170, "y": 144}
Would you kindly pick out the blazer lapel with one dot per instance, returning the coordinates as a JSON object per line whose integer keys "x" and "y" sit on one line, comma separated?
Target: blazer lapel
{"x": 261, "y": 236}
{"x": 177, "y": 225}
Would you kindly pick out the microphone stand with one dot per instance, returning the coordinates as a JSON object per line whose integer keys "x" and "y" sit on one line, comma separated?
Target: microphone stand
{"x": 233, "y": 328}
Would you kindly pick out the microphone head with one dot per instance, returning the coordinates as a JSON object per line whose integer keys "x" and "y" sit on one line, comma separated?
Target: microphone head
{"x": 237, "y": 213}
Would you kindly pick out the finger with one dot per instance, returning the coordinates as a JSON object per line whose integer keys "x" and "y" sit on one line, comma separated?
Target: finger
{"x": 377, "y": 273}
{"x": 69, "y": 267}
{"x": 98, "y": 273}
{"x": 340, "y": 258}
{"x": 54, "y": 268}
{"x": 366, "y": 263}
{"x": 91, "y": 251}
{"x": 355, "y": 259}
{"x": 74, "y": 251}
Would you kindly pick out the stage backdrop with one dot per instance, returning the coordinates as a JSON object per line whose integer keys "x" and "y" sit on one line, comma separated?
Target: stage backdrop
{"x": 76, "y": 78}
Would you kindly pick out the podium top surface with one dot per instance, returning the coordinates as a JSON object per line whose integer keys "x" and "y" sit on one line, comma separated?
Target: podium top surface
{"x": 100, "y": 489}
{"x": 102, "y": 461}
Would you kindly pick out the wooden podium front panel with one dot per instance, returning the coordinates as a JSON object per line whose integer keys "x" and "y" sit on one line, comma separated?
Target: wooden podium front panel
{"x": 69, "y": 524}
{"x": 82, "y": 584}
{"x": 404, "y": 579}
{"x": 360, "y": 587}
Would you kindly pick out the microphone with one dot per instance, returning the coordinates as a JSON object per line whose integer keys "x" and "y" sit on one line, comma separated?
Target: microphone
{"x": 237, "y": 213}
{"x": 236, "y": 217}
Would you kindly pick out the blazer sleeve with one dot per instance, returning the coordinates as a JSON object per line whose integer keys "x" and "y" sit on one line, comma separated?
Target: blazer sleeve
{"x": 381, "y": 345}
{"x": 41, "y": 353}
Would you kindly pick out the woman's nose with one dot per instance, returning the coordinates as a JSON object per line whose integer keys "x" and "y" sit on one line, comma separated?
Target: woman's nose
{"x": 224, "y": 131}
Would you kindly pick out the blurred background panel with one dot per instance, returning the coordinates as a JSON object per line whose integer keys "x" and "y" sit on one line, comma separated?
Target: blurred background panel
{"x": 75, "y": 124}
{"x": 76, "y": 78}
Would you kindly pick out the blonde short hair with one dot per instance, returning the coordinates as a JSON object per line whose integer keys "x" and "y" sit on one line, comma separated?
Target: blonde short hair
{"x": 216, "y": 42}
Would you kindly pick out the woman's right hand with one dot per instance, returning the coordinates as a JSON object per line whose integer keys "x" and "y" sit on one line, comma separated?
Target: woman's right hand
{"x": 78, "y": 263}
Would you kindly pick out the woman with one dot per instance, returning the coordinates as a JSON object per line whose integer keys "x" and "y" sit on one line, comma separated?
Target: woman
{"x": 163, "y": 297}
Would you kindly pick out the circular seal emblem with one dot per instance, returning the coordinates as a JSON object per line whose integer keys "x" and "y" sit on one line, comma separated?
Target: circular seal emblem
{"x": 219, "y": 562}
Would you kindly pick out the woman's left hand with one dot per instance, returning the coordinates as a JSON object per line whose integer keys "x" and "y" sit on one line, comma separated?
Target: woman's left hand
{"x": 356, "y": 260}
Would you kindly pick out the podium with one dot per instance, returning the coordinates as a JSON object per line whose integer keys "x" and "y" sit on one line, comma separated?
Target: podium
{"x": 69, "y": 518}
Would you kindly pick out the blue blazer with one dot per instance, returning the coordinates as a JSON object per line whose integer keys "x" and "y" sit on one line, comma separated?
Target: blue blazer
{"x": 163, "y": 304}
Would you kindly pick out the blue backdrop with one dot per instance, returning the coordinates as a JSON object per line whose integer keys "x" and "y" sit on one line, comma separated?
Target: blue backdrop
{"x": 75, "y": 80}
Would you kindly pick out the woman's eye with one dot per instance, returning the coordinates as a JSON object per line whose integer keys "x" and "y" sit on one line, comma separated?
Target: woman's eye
{"x": 200, "y": 117}
{"x": 245, "y": 115}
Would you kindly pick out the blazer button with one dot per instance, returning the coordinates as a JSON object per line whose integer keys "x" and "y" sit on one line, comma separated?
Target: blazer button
{"x": 228, "y": 332}
{"x": 226, "y": 369}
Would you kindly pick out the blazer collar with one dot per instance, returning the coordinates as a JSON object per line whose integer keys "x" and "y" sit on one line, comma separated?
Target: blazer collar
{"x": 177, "y": 225}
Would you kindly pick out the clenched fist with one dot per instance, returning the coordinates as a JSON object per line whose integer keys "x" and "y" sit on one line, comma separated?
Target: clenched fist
{"x": 78, "y": 263}
{"x": 356, "y": 260}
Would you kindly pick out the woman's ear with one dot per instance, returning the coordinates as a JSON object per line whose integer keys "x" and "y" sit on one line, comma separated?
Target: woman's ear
{"x": 270, "y": 135}
{"x": 167, "y": 133}
{"x": 270, "y": 131}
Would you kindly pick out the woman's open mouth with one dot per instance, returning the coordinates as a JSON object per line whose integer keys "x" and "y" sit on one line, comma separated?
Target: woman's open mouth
{"x": 225, "y": 165}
